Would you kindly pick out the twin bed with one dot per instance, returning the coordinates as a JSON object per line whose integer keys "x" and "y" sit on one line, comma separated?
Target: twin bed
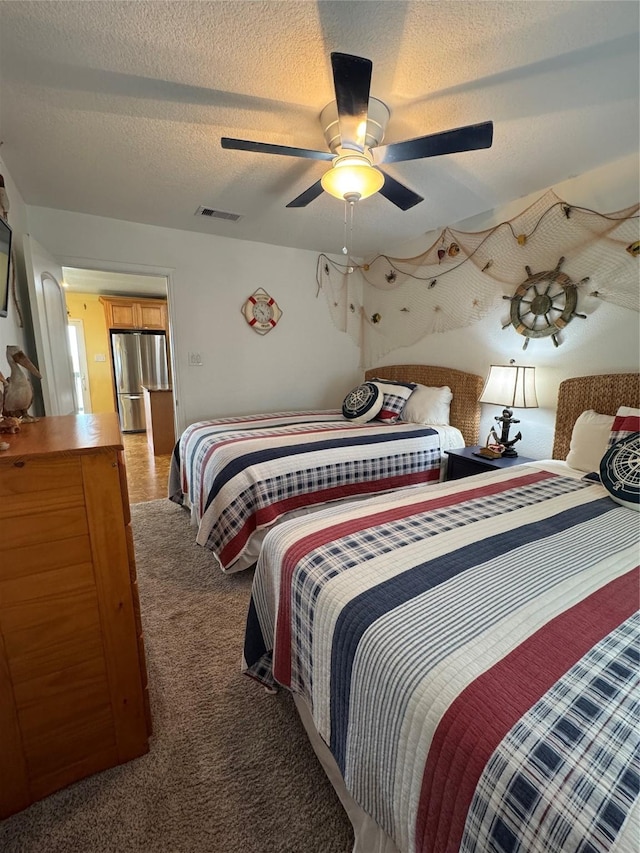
{"x": 240, "y": 476}
{"x": 464, "y": 657}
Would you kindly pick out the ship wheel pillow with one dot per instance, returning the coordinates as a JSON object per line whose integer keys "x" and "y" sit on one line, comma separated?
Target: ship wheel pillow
{"x": 363, "y": 403}
{"x": 620, "y": 465}
{"x": 620, "y": 471}
{"x": 381, "y": 399}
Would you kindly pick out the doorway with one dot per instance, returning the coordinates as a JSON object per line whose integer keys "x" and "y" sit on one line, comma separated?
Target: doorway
{"x": 108, "y": 303}
{"x": 78, "y": 351}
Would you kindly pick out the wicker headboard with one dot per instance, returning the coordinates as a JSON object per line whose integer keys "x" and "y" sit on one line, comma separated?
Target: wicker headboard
{"x": 604, "y": 393}
{"x": 466, "y": 388}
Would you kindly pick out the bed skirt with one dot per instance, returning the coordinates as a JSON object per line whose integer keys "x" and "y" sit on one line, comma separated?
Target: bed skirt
{"x": 369, "y": 837}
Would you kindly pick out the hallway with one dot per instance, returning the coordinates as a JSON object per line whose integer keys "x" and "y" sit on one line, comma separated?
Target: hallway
{"x": 147, "y": 475}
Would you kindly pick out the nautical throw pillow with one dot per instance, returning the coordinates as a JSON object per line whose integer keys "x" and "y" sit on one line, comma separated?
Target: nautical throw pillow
{"x": 395, "y": 396}
{"x": 627, "y": 420}
{"x": 363, "y": 403}
{"x": 620, "y": 471}
{"x": 428, "y": 405}
{"x": 589, "y": 440}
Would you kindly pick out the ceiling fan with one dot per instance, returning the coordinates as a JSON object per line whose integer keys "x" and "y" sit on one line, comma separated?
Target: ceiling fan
{"x": 354, "y": 126}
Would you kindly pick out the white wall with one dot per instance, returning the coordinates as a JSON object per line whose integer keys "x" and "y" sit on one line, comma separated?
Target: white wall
{"x": 608, "y": 341}
{"x": 303, "y": 363}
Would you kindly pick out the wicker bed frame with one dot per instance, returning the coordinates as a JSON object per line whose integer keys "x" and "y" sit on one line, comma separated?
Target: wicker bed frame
{"x": 603, "y": 393}
{"x": 466, "y": 389}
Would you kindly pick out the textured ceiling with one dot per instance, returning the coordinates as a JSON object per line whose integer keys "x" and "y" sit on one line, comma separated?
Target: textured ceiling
{"x": 117, "y": 108}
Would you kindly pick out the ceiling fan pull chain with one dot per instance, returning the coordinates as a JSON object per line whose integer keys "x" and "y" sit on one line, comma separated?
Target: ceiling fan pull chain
{"x": 352, "y": 207}
{"x": 345, "y": 248}
{"x": 348, "y": 229}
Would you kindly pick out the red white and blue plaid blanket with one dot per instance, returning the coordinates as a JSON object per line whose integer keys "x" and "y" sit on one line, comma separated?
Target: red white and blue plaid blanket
{"x": 240, "y": 475}
{"x": 469, "y": 654}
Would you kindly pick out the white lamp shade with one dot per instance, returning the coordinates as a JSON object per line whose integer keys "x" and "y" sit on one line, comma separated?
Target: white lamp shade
{"x": 512, "y": 386}
{"x": 352, "y": 175}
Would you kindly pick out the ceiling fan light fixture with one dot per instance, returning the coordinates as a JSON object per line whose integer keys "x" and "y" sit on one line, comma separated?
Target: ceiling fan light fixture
{"x": 352, "y": 178}
{"x": 354, "y": 126}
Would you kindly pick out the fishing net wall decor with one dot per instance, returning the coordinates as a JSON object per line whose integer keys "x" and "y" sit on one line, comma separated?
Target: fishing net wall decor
{"x": 388, "y": 302}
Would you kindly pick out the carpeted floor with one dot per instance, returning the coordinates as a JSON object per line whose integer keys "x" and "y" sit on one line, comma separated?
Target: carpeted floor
{"x": 230, "y": 769}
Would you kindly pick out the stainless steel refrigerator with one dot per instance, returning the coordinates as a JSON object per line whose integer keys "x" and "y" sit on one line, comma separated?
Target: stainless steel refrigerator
{"x": 139, "y": 358}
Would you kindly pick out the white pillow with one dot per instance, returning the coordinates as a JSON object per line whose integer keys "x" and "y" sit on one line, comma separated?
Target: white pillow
{"x": 589, "y": 441}
{"x": 428, "y": 406}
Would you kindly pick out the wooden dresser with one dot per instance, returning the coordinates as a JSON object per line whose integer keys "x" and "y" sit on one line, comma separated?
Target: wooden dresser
{"x": 73, "y": 684}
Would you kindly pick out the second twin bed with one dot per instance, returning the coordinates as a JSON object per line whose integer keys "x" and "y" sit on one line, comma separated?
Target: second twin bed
{"x": 240, "y": 476}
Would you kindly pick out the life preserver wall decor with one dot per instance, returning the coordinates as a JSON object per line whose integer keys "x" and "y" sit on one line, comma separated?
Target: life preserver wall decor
{"x": 261, "y": 311}
{"x": 544, "y": 304}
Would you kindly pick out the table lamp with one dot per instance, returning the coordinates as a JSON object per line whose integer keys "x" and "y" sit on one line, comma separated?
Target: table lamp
{"x": 510, "y": 386}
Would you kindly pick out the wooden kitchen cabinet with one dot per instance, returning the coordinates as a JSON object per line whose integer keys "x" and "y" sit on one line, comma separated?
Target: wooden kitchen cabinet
{"x": 152, "y": 315}
{"x": 129, "y": 313}
{"x": 73, "y": 683}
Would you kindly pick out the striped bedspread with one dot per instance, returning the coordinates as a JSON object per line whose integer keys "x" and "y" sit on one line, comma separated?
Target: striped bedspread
{"x": 469, "y": 654}
{"x": 240, "y": 475}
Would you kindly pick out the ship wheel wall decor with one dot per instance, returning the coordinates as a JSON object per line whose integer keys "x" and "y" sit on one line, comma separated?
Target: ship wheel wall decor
{"x": 544, "y": 304}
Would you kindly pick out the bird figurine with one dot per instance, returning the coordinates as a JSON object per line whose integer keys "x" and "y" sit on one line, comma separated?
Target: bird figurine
{"x": 18, "y": 393}
{"x": 6, "y": 424}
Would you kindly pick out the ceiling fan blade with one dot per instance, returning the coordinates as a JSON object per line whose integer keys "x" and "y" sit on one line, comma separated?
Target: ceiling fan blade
{"x": 352, "y": 81}
{"x": 267, "y": 148}
{"x": 468, "y": 138}
{"x": 398, "y": 194}
{"x": 307, "y": 196}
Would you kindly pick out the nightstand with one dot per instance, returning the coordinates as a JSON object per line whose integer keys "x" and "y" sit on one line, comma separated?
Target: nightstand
{"x": 462, "y": 462}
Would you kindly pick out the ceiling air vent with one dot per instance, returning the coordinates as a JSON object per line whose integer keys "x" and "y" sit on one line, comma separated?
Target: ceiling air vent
{"x": 217, "y": 214}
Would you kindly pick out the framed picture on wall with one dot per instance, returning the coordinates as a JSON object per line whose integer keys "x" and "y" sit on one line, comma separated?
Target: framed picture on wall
{"x": 5, "y": 266}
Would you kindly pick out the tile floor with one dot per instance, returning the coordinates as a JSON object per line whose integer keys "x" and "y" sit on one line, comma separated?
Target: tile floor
{"x": 147, "y": 475}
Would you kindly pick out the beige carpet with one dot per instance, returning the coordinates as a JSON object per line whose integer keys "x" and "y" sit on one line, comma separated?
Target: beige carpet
{"x": 230, "y": 769}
